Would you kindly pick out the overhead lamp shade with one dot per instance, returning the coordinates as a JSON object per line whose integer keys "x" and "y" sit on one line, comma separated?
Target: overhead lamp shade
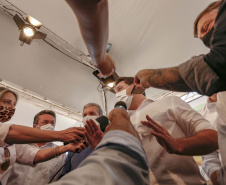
{"x": 109, "y": 81}
{"x": 28, "y": 31}
{"x": 40, "y": 35}
{"x": 33, "y": 21}
{"x": 19, "y": 21}
{"x": 24, "y": 38}
{"x": 110, "y": 84}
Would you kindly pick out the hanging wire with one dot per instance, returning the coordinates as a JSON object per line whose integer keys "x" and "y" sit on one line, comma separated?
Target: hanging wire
{"x": 4, "y": 7}
{"x": 100, "y": 86}
{"x": 66, "y": 54}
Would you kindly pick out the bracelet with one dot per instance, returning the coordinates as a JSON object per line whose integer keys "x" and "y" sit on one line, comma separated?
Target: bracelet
{"x": 56, "y": 154}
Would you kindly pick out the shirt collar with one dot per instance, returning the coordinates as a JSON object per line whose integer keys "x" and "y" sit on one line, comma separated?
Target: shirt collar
{"x": 144, "y": 103}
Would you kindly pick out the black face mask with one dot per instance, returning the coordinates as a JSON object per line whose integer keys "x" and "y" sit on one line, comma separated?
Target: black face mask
{"x": 207, "y": 37}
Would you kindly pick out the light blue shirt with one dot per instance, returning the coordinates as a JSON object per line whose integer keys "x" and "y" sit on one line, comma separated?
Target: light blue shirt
{"x": 119, "y": 159}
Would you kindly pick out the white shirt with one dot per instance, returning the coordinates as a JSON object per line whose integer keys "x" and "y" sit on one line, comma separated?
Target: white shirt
{"x": 221, "y": 127}
{"x": 24, "y": 154}
{"x": 40, "y": 174}
{"x": 210, "y": 162}
{"x": 181, "y": 121}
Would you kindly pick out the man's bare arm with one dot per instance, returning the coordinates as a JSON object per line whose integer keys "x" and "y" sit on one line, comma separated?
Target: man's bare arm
{"x": 166, "y": 78}
{"x": 21, "y": 135}
{"x": 92, "y": 16}
{"x": 203, "y": 142}
{"x": 49, "y": 153}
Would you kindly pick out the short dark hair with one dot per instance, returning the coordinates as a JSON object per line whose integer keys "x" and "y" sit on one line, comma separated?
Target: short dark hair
{"x": 50, "y": 112}
{"x": 96, "y": 105}
{"x": 127, "y": 80}
{"x": 212, "y": 6}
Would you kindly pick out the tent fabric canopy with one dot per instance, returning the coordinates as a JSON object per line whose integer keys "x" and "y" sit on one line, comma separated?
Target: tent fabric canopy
{"x": 144, "y": 34}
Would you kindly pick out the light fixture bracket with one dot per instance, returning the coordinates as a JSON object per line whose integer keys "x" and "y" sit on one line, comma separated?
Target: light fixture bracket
{"x": 107, "y": 80}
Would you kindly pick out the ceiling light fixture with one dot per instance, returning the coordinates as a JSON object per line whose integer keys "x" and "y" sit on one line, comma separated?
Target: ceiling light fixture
{"x": 109, "y": 82}
{"x": 33, "y": 21}
{"x": 28, "y": 30}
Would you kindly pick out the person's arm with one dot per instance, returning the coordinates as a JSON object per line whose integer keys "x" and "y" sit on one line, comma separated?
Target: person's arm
{"x": 21, "y": 134}
{"x": 92, "y": 17}
{"x": 49, "y": 153}
{"x": 167, "y": 78}
{"x": 202, "y": 143}
{"x": 210, "y": 164}
{"x": 214, "y": 179}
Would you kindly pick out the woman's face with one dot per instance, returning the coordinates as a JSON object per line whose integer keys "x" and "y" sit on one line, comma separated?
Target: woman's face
{"x": 7, "y": 106}
{"x": 8, "y": 100}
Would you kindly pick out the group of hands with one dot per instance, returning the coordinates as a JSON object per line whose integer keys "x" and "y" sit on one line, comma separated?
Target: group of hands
{"x": 107, "y": 68}
{"x": 79, "y": 138}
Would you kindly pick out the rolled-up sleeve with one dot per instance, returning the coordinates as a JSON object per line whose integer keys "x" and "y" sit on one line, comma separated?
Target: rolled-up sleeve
{"x": 4, "y": 129}
{"x": 190, "y": 121}
{"x": 25, "y": 154}
{"x": 211, "y": 163}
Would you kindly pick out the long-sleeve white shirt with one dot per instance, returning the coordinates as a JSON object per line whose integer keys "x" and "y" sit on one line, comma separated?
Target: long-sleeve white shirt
{"x": 210, "y": 162}
{"x": 221, "y": 127}
{"x": 40, "y": 174}
{"x": 181, "y": 121}
{"x": 24, "y": 154}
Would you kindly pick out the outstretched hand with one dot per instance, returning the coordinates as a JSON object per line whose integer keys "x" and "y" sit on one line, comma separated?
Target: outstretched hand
{"x": 76, "y": 147}
{"x": 141, "y": 79}
{"x": 163, "y": 136}
{"x": 72, "y": 135}
{"x": 93, "y": 134}
{"x": 106, "y": 67}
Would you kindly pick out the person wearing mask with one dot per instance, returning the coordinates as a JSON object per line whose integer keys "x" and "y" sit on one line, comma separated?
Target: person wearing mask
{"x": 118, "y": 159}
{"x": 204, "y": 74}
{"x": 43, "y": 172}
{"x": 90, "y": 111}
{"x": 177, "y": 133}
{"x": 11, "y": 134}
{"x": 211, "y": 163}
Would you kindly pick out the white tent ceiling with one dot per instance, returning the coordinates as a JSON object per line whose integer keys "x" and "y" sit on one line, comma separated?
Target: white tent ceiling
{"x": 144, "y": 34}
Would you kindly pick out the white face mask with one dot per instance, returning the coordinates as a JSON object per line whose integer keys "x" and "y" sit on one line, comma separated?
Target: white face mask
{"x": 89, "y": 117}
{"x": 122, "y": 96}
{"x": 47, "y": 127}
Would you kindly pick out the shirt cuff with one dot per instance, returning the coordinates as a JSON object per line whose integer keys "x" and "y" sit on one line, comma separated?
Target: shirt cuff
{"x": 120, "y": 137}
{"x": 4, "y": 129}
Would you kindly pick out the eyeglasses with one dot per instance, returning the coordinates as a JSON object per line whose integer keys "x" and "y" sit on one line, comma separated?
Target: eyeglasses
{"x": 6, "y": 159}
